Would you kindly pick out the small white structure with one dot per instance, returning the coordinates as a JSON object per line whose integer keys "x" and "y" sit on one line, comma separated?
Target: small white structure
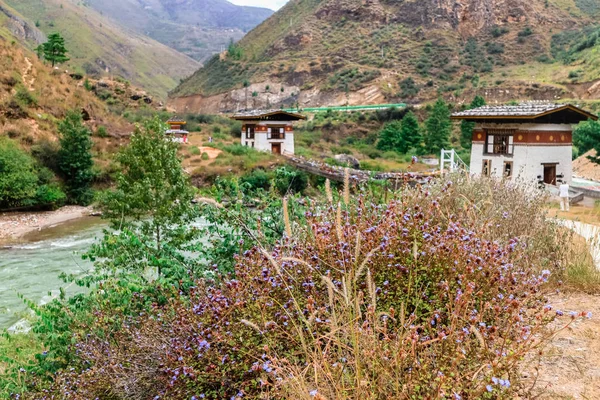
{"x": 532, "y": 141}
{"x": 269, "y": 130}
{"x": 176, "y": 131}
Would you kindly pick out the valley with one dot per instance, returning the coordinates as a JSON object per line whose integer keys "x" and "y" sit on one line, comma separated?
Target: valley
{"x": 200, "y": 200}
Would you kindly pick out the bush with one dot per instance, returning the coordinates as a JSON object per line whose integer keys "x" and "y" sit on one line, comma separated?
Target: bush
{"x": 195, "y": 151}
{"x": 257, "y": 179}
{"x": 205, "y": 156}
{"x": 498, "y": 31}
{"x": 101, "y": 132}
{"x": 25, "y": 97}
{"x": 288, "y": 180}
{"x": 527, "y": 31}
{"x": 360, "y": 301}
{"x": 18, "y": 180}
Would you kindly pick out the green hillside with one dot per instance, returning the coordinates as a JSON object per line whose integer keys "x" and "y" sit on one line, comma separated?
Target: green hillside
{"x": 98, "y": 46}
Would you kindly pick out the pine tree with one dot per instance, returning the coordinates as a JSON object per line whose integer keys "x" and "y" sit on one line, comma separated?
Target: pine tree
{"x": 466, "y": 127}
{"x": 410, "y": 133}
{"x": 55, "y": 50}
{"x": 389, "y": 137}
{"x": 438, "y": 128}
{"x": 75, "y": 158}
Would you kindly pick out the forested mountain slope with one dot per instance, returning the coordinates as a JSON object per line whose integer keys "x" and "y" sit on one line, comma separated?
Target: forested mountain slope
{"x": 98, "y": 46}
{"x": 316, "y": 52}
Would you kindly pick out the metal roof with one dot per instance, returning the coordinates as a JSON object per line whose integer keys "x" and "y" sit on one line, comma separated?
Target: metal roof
{"x": 176, "y": 119}
{"x": 260, "y": 114}
{"x": 528, "y": 110}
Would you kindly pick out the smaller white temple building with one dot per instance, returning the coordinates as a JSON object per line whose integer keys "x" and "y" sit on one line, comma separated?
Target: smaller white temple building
{"x": 177, "y": 132}
{"x": 532, "y": 141}
{"x": 268, "y": 130}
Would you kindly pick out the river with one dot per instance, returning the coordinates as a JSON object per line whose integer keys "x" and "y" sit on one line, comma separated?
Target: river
{"x": 31, "y": 267}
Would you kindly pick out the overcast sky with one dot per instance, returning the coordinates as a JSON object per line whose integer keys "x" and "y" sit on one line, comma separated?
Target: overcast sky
{"x": 272, "y": 4}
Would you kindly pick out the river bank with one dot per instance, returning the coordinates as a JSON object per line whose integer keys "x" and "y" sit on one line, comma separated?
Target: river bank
{"x": 15, "y": 225}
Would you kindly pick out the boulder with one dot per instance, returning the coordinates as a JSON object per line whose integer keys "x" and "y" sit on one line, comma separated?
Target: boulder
{"x": 350, "y": 161}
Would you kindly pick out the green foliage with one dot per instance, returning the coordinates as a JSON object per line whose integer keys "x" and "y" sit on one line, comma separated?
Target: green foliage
{"x": 498, "y": 31}
{"x": 590, "y": 7}
{"x": 389, "y": 137}
{"x": 289, "y": 180}
{"x": 408, "y": 88}
{"x": 101, "y": 132}
{"x": 55, "y": 50}
{"x": 351, "y": 79}
{"x": 150, "y": 209}
{"x": 586, "y": 136}
{"x": 25, "y": 97}
{"x": 235, "y": 51}
{"x": 258, "y": 179}
{"x": 474, "y": 56}
{"x": 527, "y": 31}
{"x": 438, "y": 128}
{"x": 18, "y": 180}
{"x": 495, "y": 48}
{"x": 400, "y": 136}
{"x": 466, "y": 127}
{"x": 87, "y": 85}
{"x": 75, "y": 158}
{"x": 410, "y": 133}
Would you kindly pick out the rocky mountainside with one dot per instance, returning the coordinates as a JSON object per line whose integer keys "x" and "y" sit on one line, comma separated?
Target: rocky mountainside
{"x": 336, "y": 52}
{"x": 198, "y": 28}
{"x": 97, "y": 46}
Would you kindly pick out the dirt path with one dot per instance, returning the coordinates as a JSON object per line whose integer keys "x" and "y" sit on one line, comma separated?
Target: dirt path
{"x": 570, "y": 364}
{"x": 26, "y": 73}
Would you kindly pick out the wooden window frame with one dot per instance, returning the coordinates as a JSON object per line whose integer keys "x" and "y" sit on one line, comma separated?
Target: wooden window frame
{"x": 276, "y": 135}
{"x": 511, "y": 169}
{"x": 496, "y": 146}
{"x": 489, "y": 168}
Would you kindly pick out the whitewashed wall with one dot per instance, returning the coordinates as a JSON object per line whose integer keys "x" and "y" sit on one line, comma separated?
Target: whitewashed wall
{"x": 527, "y": 159}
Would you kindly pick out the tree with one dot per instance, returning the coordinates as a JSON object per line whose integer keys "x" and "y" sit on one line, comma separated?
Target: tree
{"x": 18, "y": 180}
{"x": 389, "y": 137}
{"x": 75, "y": 158}
{"x": 466, "y": 127}
{"x": 55, "y": 50}
{"x": 586, "y": 136}
{"x": 438, "y": 127}
{"x": 410, "y": 133}
{"x": 150, "y": 208}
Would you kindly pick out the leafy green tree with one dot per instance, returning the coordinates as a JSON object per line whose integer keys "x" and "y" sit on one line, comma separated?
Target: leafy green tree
{"x": 55, "y": 50}
{"x": 75, "y": 158}
{"x": 586, "y": 136}
{"x": 389, "y": 137}
{"x": 18, "y": 180}
{"x": 438, "y": 127}
{"x": 150, "y": 209}
{"x": 466, "y": 127}
{"x": 410, "y": 133}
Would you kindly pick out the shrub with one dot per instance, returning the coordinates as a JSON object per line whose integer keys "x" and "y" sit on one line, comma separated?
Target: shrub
{"x": 288, "y": 180}
{"x": 527, "y": 31}
{"x": 361, "y": 301}
{"x": 25, "y": 97}
{"x": 498, "y": 31}
{"x": 101, "y": 132}
{"x": 18, "y": 180}
{"x": 195, "y": 151}
{"x": 205, "y": 156}
{"x": 257, "y": 179}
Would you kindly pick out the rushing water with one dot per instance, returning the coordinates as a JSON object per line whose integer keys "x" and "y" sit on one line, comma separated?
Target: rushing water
{"x": 31, "y": 268}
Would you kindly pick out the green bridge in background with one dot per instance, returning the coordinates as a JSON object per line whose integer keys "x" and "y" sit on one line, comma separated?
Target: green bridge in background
{"x": 372, "y": 107}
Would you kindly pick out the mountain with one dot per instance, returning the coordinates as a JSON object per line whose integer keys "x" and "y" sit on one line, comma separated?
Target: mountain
{"x": 198, "y": 28}
{"x": 334, "y": 52}
{"x": 98, "y": 46}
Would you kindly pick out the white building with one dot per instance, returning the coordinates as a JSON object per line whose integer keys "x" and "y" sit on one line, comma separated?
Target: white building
{"x": 269, "y": 130}
{"x": 531, "y": 141}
